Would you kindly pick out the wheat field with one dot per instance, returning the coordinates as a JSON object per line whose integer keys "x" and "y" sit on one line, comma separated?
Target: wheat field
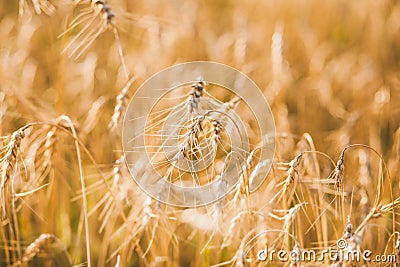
{"x": 330, "y": 71}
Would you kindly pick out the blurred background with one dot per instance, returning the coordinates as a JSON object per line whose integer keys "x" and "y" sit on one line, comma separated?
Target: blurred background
{"x": 329, "y": 70}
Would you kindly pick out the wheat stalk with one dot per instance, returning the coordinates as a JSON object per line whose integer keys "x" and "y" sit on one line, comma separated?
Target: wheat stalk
{"x": 8, "y": 164}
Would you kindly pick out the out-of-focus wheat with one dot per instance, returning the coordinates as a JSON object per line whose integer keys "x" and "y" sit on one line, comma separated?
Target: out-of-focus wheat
{"x": 328, "y": 69}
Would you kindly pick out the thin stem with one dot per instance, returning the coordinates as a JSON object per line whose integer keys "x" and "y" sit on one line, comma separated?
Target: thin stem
{"x": 84, "y": 202}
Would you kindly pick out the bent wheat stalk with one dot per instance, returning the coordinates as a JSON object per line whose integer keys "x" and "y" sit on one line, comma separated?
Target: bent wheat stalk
{"x": 8, "y": 164}
{"x": 52, "y": 245}
{"x": 84, "y": 201}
